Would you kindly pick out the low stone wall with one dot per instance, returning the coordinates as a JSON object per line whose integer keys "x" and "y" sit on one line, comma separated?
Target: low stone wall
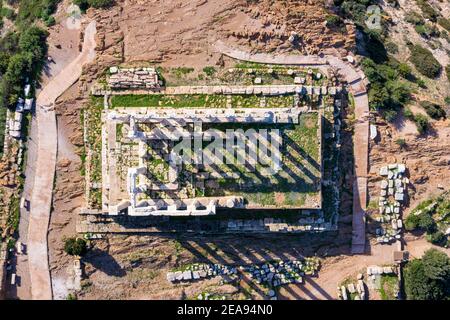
{"x": 3, "y": 259}
{"x": 230, "y": 90}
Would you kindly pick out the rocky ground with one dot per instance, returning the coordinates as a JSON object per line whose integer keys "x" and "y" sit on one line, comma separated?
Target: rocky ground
{"x": 180, "y": 33}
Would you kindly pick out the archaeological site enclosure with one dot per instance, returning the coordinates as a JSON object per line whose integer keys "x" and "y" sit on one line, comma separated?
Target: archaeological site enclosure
{"x": 239, "y": 149}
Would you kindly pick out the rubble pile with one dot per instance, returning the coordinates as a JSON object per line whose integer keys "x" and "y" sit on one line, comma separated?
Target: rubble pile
{"x": 271, "y": 274}
{"x": 133, "y": 78}
{"x": 392, "y": 194}
{"x": 283, "y": 272}
{"x": 199, "y": 271}
{"x": 352, "y": 291}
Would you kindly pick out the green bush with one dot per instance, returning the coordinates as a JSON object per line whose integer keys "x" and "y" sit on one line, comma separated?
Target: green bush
{"x": 414, "y": 18}
{"x": 387, "y": 93}
{"x": 437, "y": 264}
{"x": 31, "y": 10}
{"x": 8, "y": 13}
{"x": 433, "y": 110}
{"x": 404, "y": 70}
{"x": 421, "y": 123}
{"x": 101, "y": 3}
{"x": 412, "y": 222}
{"x": 447, "y": 99}
{"x": 75, "y": 246}
{"x": 438, "y": 238}
{"x": 427, "y": 10}
{"x": 50, "y": 21}
{"x": 333, "y": 21}
{"x": 445, "y": 23}
{"x": 82, "y": 4}
{"x": 425, "y": 62}
{"x": 401, "y": 143}
{"x": 426, "y": 222}
{"x": 428, "y": 278}
{"x": 209, "y": 71}
{"x": 408, "y": 114}
{"x": 354, "y": 9}
{"x": 427, "y": 31}
{"x": 391, "y": 47}
{"x": 447, "y": 71}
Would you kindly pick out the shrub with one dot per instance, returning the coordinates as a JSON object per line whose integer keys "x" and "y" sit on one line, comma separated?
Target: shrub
{"x": 75, "y": 246}
{"x": 82, "y": 4}
{"x": 427, "y": 31}
{"x": 447, "y": 71}
{"x": 447, "y": 99}
{"x": 389, "y": 115}
{"x": 427, "y": 278}
{"x": 8, "y": 13}
{"x": 438, "y": 238}
{"x": 412, "y": 222}
{"x": 375, "y": 47}
{"x": 421, "y": 123}
{"x": 209, "y": 71}
{"x": 433, "y": 110}
{"x": 50, "y": 21}
{"x": 437, "y": 264}
{"x": 404, "y": 70}
{"x": 414, "y": 18}
{"x": 427, "y": 223}
{"x": 427, "y": 10}
{"x": 333, "y": 21}
{"x": 32, "y": 40}
{"x": 445, "y": 23}
{"x": 408, "y": 114}
{"x": 391, "y": 47}
{"x": 354, "y": 9}
{"x": 425, "y": 62}
{"x": 421, "y": 83}
{"x": 401, "y": 143}
{"x": 30, "y": 10}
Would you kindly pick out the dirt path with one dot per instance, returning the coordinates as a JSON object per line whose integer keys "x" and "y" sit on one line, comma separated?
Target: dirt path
{"x": 41, "y": 196}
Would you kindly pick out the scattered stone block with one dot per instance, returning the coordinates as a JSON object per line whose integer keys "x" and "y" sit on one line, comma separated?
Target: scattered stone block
{"x": 351, "y": 288}
{"x": 399, "y": 196}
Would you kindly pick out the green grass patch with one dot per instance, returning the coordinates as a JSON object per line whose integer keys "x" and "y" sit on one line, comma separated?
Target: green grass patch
{"x": 169, "y": 101}
{"x": 388, "y": 287}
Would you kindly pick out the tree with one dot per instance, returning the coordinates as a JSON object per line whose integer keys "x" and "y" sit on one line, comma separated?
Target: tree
{"x": 426, "y": 222}
{"x": 434, "y": 110}
{"x": 411, "y": 222}
{"x": 33, "y": 40}
{"x": 401, "y": 143}
{"x": 75, "y": 246}
{"x": 437, "y": 237}
{"x": 418, "y": 286}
